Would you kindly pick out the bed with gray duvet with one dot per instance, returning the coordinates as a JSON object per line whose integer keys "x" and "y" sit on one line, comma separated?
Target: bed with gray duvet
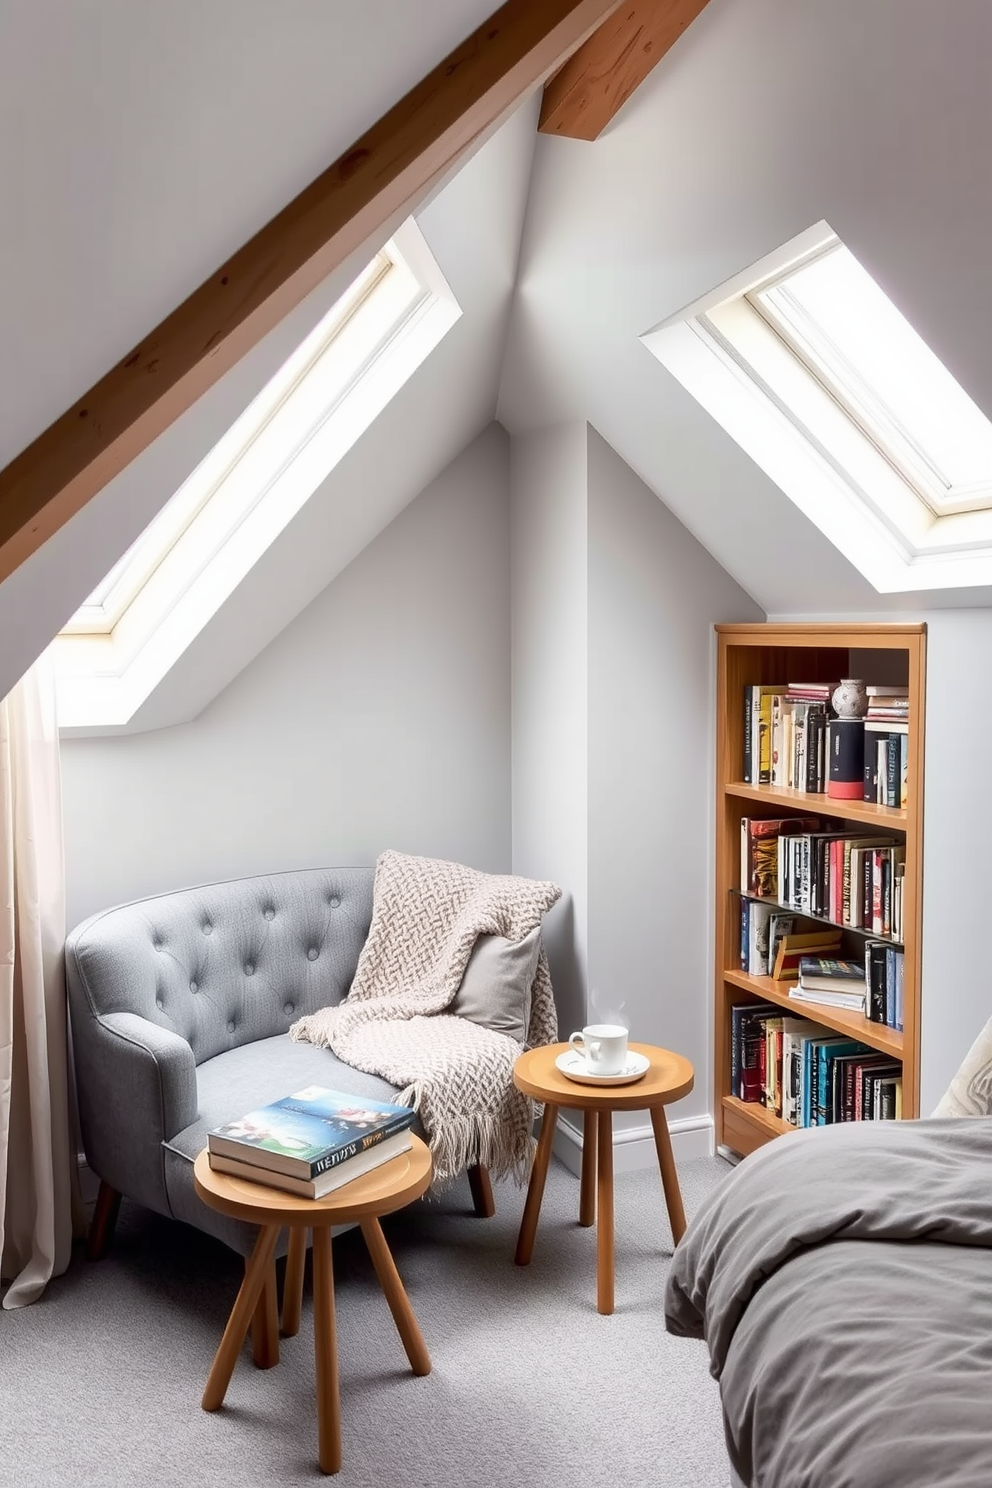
{"x": 842, "y": 1278}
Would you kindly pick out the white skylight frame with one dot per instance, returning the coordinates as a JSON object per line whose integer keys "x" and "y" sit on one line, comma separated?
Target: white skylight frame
{"x": 886, "y": 337}
{"x": 815, "y": 437}
{"x": 136, "y": 624}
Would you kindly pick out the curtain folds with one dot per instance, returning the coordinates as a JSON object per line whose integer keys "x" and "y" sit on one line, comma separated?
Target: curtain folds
{"x": 35, "y": 1148}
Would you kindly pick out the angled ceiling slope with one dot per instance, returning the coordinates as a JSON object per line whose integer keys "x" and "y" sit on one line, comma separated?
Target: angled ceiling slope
{"x": 472, "y": 228}
{"x": 180, "y": 188}
{"x": 380, "y": 178}
{"x": 757, "y": 124}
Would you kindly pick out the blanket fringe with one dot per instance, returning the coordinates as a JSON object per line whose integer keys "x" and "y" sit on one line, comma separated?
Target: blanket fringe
{"x": 465, "y": 1141}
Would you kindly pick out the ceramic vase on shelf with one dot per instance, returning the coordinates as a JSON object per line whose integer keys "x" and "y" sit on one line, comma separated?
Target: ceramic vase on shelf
{"x": 850, "y": 699}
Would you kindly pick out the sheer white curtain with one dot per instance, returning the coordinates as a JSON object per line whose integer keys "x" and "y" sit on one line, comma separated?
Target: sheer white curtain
{"x": 35, "y": 1168}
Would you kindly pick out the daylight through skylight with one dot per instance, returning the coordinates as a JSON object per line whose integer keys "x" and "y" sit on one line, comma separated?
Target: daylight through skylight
{"x": 866, "y": 351}
{"x": 158, "y": 597}
{"x": 805, "y": 361}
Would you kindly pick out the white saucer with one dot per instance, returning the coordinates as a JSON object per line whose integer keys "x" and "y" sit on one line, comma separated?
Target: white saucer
{"x": 573, "y": 1065}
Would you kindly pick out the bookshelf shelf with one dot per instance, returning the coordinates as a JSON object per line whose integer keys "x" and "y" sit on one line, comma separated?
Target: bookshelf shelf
{"x": 891, "y": 818}
{"x": 747, "y": 1126}
{"x": 887, "y": 1040}
{"x": 773, "y": 656}
{"x": 808, "y": 914}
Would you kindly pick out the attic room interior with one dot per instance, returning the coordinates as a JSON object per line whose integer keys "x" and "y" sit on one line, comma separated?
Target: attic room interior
{"x": 495, "y": 541}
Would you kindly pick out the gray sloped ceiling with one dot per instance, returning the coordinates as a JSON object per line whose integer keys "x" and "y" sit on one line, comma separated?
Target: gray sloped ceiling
{"x": 473, "y": 225}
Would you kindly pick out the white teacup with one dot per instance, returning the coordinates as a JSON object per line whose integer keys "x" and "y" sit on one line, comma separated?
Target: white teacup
{"x": 603, "y": 1046}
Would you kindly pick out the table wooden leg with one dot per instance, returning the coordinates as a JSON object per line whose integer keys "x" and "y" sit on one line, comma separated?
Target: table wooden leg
{"x": 587, "y": 1185}
{"x": 265, "y": 1323}
{"x": 326, "y": 1354}
{"x": 237, "y": 1324}
{"x": 535, "y": 1189}
{"x": 395, "y": 1293}
{"x": 669, "y": 1173}
{"x": 292, "y": 1287}
{"x": 604, "y": 1214}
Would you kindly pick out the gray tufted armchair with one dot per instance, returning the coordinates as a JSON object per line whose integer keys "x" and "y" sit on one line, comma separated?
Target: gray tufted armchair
{"x": 180, "y": 1008}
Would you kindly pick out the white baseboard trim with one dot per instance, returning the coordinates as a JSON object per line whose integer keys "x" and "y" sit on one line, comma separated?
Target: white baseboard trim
{"x": 633, "y": 1146}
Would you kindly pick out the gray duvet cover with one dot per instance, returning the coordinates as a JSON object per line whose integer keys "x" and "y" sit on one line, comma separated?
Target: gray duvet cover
{"x": 842, "y": 1278}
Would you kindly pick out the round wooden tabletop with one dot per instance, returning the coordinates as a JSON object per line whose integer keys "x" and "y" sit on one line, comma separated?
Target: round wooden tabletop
{"x": 668, "y": 1077}
{"x": 397, "y": 1182}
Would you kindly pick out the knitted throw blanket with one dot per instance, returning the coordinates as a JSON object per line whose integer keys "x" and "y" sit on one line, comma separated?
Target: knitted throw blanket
{"x": 426, "y": 917}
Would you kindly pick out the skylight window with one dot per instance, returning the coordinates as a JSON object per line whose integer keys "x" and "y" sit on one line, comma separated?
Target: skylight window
{"x": 814, "y": 371}
{"x": 834, "y": 315}
{"x": 138, "y": 621}
{"x": 274, "y": 415}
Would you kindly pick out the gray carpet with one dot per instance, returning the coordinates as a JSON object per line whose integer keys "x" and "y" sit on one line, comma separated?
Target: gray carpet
{"x": 100, "y": 1381}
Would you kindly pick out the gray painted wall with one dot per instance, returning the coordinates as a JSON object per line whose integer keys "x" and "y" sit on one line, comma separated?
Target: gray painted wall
{"x": 549, "y": 607}
{"x": 654, "y": 596}
{"x": 379, "y": 718}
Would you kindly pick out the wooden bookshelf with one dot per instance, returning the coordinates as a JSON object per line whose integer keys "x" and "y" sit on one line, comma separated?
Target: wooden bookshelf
{"x": 746, "y": 1126}
{"x": 780, "y": 653}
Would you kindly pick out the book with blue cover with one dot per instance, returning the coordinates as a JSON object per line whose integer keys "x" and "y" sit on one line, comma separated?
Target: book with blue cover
{"x": 305, "y": 1134}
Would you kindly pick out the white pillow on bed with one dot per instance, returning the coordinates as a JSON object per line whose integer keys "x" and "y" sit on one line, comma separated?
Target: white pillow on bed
{"x": 970, "y": 1092}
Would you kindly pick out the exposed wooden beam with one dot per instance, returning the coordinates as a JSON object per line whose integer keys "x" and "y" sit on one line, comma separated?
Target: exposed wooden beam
{"x": 582, "y": 97}
{"x": 385, "y": 174}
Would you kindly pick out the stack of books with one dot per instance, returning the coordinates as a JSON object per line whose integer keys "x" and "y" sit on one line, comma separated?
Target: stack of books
{"x": 831, "y": 983}
{"x": 312, "y": 1142}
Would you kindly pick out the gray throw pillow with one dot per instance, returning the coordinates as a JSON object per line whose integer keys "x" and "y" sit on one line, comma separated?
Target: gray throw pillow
{"x": 495, "y": 989}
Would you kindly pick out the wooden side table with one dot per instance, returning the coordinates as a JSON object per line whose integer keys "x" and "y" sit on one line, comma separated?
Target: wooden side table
{"x": 386, "y": 1188}
{"x": 667, "y": 1079}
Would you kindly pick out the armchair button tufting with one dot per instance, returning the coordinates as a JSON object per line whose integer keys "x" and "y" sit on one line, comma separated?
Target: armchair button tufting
{"x": 249, "y": 969}
{"x": 208, "y": 928}
{"x": 334, "y": 901}
{"x": 287, "y": 1007}
{"x": 312, "y": 953}
{"x": 230, "y": 1026}
{"x": 159, "y": 1003}
{"x": 270, "y": 913}
{"x": 194, "y": 986}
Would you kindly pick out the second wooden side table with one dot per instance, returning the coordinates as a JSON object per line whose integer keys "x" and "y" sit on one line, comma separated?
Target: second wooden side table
{"x": 669, "y": 1077}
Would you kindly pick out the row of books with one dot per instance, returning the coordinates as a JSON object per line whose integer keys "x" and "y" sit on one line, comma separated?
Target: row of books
{"x": 311, "y": 1143}
{"x": 852, "y": 880}
{"x": 886, "y": 763}
{"x": 788, "y": 948}
{"x": 789, "y": 741}
{"x": 808, "y": 1075}
{"x": 785, "y": 738}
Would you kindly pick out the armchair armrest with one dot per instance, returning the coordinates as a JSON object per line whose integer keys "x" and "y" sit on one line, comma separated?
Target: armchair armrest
{"x": 137, "y": 1088}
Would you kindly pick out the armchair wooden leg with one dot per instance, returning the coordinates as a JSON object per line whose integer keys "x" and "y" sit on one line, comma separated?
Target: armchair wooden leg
{"x": 482, "y": 1191}
{"x": 103, "y": 1223}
